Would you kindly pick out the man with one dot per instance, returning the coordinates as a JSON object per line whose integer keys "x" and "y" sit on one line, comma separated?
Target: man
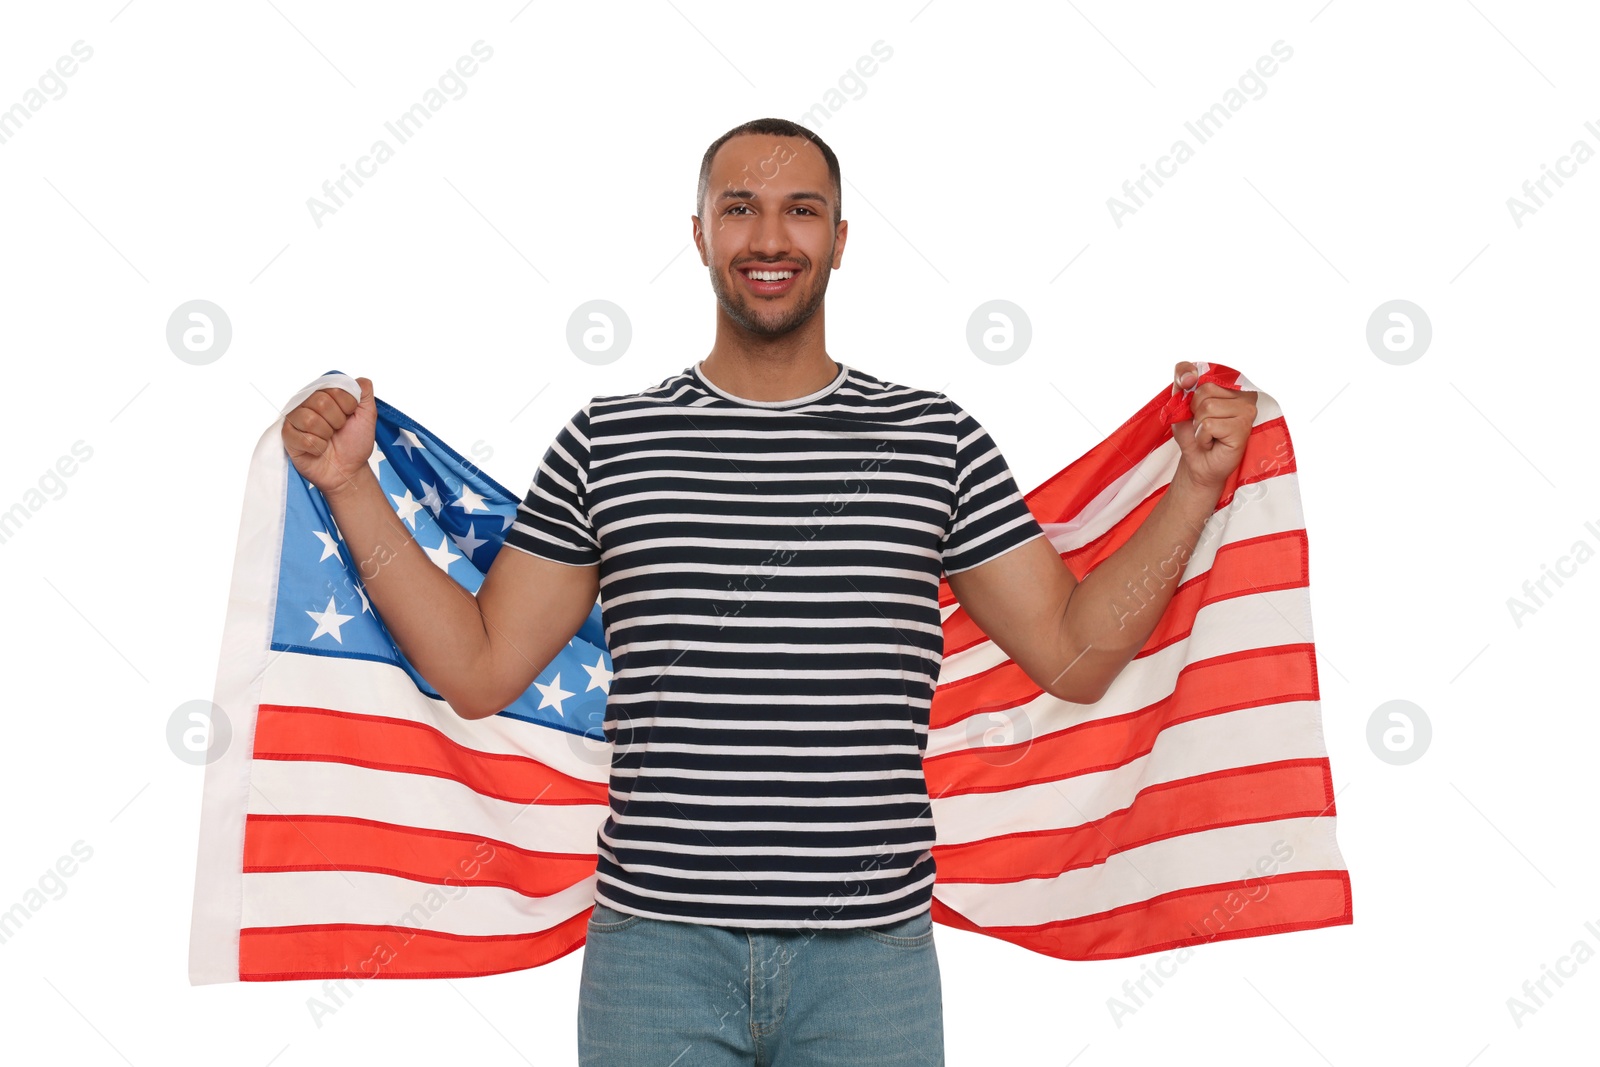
{"x": 766, "y": 531}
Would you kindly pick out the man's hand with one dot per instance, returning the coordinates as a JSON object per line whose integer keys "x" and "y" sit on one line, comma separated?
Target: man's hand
{"x": 329, "y": 436}
{"x": 1213, "y": 441}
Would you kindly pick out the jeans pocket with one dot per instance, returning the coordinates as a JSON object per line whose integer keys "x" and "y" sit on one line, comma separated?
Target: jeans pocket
{"x": 914, "y": 932}
{"x": 606, "y": 919}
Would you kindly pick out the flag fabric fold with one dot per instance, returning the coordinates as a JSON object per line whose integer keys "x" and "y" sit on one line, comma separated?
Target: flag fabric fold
{"x": 355, "y": 826}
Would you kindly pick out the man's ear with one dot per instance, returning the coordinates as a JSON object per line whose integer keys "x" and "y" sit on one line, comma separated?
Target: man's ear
{"x": 699, "y": 238}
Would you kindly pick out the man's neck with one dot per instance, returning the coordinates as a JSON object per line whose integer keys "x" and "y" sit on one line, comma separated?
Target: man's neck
{"x": 792, "y": 365}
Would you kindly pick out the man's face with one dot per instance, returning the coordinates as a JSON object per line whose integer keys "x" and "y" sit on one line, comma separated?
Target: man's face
{"x": 769, "y": 208}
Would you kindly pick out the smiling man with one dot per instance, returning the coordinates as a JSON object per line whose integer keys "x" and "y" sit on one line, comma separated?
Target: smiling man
{"x": 766, "y": 531}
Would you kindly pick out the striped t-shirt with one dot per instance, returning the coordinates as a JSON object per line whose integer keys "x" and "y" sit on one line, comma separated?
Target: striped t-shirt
{"x": 769, "y": 584}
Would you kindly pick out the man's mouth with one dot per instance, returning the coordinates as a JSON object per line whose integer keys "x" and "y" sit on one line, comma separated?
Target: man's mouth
{"x": 765, "y": 281}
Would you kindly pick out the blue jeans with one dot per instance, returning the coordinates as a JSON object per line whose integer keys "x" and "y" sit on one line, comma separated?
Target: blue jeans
{"x": 656, "y": 993}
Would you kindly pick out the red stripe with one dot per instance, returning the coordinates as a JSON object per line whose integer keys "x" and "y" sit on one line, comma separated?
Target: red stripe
{"x": 324, "y": 735}
{"x": 1251, "y": 678}
{"x": 1251, "y": 565}
{"x": 1267, "y": 454}
{"x": 340, "y": 843}
{"x": 1249, "y": 907}
{"x": 348, "y": 950}
{"x": 1269, "y": 791}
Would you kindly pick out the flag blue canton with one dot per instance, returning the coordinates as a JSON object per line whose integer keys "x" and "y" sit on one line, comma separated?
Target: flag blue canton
{"x": 459, "y": 517}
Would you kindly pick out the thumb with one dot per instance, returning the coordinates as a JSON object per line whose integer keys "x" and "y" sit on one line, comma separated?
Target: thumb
{"x": 367, "y": 399}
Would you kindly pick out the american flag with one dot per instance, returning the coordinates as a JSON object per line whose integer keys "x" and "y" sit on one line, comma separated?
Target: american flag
{"x": 1194, "y": 801}
{"x": 357, "y": 827}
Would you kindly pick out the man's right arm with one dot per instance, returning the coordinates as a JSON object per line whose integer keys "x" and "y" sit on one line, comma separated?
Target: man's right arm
{"x": 480, "y": 652}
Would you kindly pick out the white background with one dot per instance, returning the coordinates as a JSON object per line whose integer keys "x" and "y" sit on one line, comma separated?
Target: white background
{"x": 978, "y": 160}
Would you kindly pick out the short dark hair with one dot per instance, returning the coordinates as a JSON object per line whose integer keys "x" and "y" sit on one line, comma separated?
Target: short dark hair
{"x": 780, "y": 128}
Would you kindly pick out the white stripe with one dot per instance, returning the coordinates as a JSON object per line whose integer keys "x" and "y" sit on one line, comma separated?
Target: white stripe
{"x": 295, "y": 898}
{"x": 828, "y": 878}
{"x": 823, "y": 466}
{"x": 781, "y": 776}
{"x": 645, "y": 722}
{"x": 657, "y": 747}
{"x": 764, "y": 622}
{"x": 765, "y": 851}
{"x": 867, "y": 800}
{"x": 766, "y": 899}
{"x": 366, "y": 687}
{"x": 1240, "y": 738}
{"x": 1228, "y": 854}
{"x": 772, "y": 433}
{"x": 731, "y": 524}
{"x": 742, "y": 459}
{"x": 774, "y": 596}
{"x": 827, "y": 829}
{"x": 1257, "y": 620}
{"x": 300, "y": 787}
{"x": 788, "y": 570}
{"x": 733, "y": 519}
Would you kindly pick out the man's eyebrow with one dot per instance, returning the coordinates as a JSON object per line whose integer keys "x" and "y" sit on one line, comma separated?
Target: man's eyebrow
{"x": 746, "y": 194}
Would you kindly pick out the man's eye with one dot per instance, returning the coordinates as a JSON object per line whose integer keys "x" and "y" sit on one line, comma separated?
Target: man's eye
{"x": 737, "y": 207}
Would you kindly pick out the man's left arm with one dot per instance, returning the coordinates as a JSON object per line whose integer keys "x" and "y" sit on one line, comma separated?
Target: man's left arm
{"x": 1073, "y": 638}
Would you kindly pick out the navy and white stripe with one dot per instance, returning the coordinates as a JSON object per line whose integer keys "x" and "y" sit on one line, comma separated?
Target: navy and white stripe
{"x": 769, "y": 578}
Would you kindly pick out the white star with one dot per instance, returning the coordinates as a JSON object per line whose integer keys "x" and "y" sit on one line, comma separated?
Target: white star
{"x": 599, "y": 677}
{"x": 553, "y": 695}
{"x": 408, "y": 440}
{"x": 442, "y": 556}
{"x": 406, "y": 507}
{"x": 330, "y": 547}
{"x": 468, "y": 544}
{"x": 374, "y": 459}
{"x": 329, "y": 621}
{"x": 431, "y": 498}
{"x": 366, "y": 605}
{"x": 469, "y": 501}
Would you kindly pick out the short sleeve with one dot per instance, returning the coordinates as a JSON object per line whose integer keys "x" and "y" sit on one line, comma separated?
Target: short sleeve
{"x": 991, "y": 517}
{"x": 553, "y": 518}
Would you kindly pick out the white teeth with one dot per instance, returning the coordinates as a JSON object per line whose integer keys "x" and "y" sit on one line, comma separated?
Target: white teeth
{"x": 771, "y": 275}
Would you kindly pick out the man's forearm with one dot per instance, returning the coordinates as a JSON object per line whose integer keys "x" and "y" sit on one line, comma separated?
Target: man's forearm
{"x": 1112, "y": 612}
{"x": 436, "y": 622}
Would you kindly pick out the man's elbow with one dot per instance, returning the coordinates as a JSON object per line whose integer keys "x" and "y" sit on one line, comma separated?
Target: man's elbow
{"x": 1080, "y": 690}
{"x": 472, "y": 705}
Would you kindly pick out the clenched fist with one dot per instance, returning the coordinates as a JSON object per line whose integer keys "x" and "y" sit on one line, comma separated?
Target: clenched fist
{"x": 1213, "y": 440}
{"x": 329, "y": 436}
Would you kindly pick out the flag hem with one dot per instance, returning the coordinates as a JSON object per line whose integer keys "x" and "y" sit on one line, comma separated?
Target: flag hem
{"x": 244, "y": 659}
